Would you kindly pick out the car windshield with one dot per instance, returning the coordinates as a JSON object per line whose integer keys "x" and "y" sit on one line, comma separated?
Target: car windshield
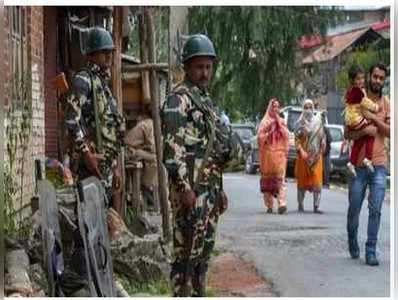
{"x": 244, "y": 133}
{"x": 336, "y": 134}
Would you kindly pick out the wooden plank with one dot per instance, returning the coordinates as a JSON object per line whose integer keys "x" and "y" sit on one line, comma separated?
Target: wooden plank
{"x": 156, "y": 124}
{"x": 146, "y": 67}
{"x": 131, "y": 93}
{"x": 117, "y": 86}
{"x": 117, "y": 61}
{"x": 131, "y": 76}
{"x": 144, "y": 57}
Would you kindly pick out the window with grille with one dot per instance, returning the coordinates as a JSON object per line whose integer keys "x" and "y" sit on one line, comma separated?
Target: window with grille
{"x": 18, "y": 49}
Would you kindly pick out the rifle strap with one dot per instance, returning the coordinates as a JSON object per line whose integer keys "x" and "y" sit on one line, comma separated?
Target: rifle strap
{"x": 96, "y": 114}
{"x": 210, "y": 119}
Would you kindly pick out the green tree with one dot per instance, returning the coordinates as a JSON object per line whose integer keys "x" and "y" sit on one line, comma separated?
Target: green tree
{"x": 365, "y": 57}
{"x": 161, "y": 19}
{"x": 256, "y": 49}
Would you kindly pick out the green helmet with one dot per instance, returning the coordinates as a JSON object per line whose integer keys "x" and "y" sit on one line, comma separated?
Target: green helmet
{"x": 198, "y": 45}
{"x": 99, "y": 39}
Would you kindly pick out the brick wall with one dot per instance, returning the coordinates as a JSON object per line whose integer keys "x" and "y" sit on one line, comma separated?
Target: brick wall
{"x": 6, "y": 62}
{"x": 50, "y": 71}
{"x": 36, "y": 53}
{"x": 25, "y": 168}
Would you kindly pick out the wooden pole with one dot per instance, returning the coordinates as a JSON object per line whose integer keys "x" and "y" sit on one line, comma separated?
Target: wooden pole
{"x": 117, "y": 87}
{"x": 137, "y": 200}
{"x": 156, "y": 124}
{"x": 117, "y": 54}
{"x": 146, "y": 96}
{"x": 169, "y": 52}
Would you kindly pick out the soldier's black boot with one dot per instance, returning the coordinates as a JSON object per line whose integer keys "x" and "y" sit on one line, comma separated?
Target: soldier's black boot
{"x": 180, "y": 279}
{"x": 199, "y": 280}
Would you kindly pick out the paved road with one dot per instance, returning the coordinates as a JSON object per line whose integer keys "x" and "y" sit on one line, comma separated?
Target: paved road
{"x": 303, "y": 254}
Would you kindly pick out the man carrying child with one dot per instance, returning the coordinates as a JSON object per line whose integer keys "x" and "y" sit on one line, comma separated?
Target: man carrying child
{"x": 375, "y": 176}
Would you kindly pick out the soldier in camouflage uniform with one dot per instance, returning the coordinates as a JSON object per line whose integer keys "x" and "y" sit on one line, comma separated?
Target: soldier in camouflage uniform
{"x": 92, "y": 118}
{"x": 196, "y": 147}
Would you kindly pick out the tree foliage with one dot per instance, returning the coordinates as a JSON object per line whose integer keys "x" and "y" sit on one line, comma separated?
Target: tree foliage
{"x": 365, "y": 57}
{"x": 256, "y": 51}
{"x": 161, "y": 19}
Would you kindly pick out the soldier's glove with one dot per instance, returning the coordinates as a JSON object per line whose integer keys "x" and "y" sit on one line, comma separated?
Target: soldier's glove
{"x": 222, "y": 202}
{"x": 188, "y": 199}
{"x": 91, "y": 161}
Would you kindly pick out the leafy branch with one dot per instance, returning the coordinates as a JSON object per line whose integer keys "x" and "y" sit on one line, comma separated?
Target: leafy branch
{"x": 256, "y": 51}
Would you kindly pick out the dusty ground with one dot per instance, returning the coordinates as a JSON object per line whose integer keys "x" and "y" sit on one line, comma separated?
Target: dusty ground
{"x": 231, "y": 276}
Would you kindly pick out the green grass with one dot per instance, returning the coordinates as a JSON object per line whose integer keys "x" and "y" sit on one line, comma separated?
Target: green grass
{"x": 210, "y": 292}
{"x": 216, "y": 253}
{"x": 155, "y": 288}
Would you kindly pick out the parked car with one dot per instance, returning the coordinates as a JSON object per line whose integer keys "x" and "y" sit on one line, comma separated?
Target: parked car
{"x": 245, "y": 133}
{"x": 339, "y": 150}
{"x": 252, "y": 162}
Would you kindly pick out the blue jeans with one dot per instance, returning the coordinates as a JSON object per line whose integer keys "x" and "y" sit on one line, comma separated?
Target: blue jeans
{"x": 356, "y": 194}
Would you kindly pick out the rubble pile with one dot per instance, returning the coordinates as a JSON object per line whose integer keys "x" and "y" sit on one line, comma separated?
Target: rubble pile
{"x": 138, "y": 258}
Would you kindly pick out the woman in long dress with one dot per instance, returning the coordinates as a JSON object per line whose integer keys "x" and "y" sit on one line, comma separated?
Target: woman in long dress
{"x": 310, "y": 144}
{"x": 273, "y": 144}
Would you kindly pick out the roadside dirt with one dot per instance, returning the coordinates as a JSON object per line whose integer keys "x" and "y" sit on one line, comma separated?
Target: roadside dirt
{"x": 231, "y": 276}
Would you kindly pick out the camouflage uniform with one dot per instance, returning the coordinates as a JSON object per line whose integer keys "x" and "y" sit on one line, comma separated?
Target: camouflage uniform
{"x": 88, "y": 84}
{"x": 186, "y": 128}
{"x": 80, "y": 120}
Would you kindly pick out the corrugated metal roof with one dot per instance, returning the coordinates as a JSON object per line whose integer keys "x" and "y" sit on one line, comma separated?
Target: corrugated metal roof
{"x": 381, "y": 25}
{"x": 334, "y": 46}
{"x": 306, "y": 42}
{"x": 341, "y": 29}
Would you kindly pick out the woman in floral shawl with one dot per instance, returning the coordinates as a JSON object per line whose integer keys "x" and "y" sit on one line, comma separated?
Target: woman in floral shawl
{"x": 273, "y": 144}
{"x": 310, "y": 144}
